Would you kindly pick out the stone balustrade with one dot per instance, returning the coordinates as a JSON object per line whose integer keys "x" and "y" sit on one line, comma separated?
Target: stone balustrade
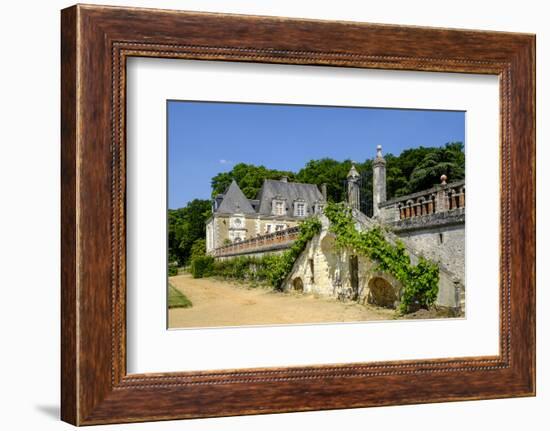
{"x": 441, "y": 198}
{"x": 275, "y": 239}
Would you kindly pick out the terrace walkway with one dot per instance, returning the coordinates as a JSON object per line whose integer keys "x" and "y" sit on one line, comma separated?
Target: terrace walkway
{"x": 271, "y": 242}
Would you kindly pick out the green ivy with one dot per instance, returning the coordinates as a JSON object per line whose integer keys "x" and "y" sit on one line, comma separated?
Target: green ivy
{"x": 420, "y": 282}
{"x": 201, "y": 266}
{"x": 277, "y": 267}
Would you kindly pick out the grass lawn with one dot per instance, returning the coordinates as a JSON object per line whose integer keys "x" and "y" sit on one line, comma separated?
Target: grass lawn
{"x": 176, "y": 299}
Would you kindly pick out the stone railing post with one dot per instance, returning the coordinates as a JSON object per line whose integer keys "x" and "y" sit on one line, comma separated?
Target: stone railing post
{"x": 430, "y": 205}
{"x": 441, "y": 198}
{"x": 409, "y": 209}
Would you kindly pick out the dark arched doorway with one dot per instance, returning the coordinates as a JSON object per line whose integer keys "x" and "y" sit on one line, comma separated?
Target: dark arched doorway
{"x": 298, "y": 284}
{"x": 381, "y": 293}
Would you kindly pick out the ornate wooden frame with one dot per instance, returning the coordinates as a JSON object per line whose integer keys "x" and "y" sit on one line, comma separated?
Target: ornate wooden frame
{"x": 95, "y": 43}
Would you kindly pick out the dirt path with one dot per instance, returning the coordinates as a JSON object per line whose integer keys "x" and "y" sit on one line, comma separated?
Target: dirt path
{"x": 221, "y": 303}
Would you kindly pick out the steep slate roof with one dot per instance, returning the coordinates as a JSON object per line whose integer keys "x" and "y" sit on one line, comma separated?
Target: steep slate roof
{"x": 290, "y": 191}
{"x": 235, "y": 202}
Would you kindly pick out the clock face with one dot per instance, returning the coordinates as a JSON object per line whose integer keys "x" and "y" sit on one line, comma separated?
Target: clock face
{"x": 237, "y": 222}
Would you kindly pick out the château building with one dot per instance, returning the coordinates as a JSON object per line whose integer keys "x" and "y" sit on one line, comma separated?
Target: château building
{"x": 278, "y": 206}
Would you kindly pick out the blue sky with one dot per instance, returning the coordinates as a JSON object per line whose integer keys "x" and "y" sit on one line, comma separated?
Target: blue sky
{"x": 205, "y": 138}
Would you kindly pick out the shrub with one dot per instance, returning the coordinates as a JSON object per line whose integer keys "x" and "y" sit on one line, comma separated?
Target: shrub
{"x": 202, "y": 266}
{"x": 198, "y": 248}
{"x": 277, "y": 267}
{"x": 172, "y": 269}
{"x": 241, "y": 268}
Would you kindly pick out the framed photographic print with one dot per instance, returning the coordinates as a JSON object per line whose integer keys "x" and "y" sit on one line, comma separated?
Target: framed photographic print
{"x": 267, "y": 215}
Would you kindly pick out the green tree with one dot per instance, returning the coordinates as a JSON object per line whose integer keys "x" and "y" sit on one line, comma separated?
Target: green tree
{"x": 249, "y": 178}
{"x": 185, "y": 226}
{"x": 448, "y": 160}
{"x": 413, "y": 170}
{"x": 417, "y": 169}
{"x": 327, "y": 171}
{"x": 198, "y": 248}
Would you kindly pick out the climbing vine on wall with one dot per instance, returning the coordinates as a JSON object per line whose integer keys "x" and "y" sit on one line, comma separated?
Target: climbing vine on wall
{"x": 420, "y": 282}
{"x": 277, "y": 267}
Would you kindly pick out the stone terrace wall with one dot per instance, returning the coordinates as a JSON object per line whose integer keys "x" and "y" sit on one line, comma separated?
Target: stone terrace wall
{"x": 439, "y": 237}
{"x": 432, "y": 223}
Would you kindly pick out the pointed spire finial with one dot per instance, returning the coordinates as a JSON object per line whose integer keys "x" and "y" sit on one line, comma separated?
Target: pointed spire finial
{"x": 353, "y": 172}
{"x": 379, "y": 159}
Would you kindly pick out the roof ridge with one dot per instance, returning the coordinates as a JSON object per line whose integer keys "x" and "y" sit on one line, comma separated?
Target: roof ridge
{"x": 291, "y": 182}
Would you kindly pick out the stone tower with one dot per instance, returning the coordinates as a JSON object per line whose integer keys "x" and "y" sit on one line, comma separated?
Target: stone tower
{"x": 378, "y": 181}
{"x": 354, "y": 199}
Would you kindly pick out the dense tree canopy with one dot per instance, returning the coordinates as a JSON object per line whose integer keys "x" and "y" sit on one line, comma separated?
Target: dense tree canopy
{"x": 413, "y": 170}
{"x": 185, "y": 226}
{"x": 329, "y": 172}
{"x": 420, "y": 168}
{"x": 249, "y": 178}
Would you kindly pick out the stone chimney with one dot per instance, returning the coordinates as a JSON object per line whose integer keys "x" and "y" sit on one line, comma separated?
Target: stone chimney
{"x": 324, "y": 191}
{"x": 354, "y": 196}
{"x": 378, "y": 181}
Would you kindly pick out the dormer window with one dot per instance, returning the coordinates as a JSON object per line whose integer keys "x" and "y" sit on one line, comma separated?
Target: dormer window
{"x": 300, "y": 208}
{"x": 279, "y": 207}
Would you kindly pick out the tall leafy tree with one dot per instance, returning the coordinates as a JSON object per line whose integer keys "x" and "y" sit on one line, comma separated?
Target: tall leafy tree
{"x": 448, "y": 160}
{"x": 327, "y": 171}
{"x": 185, "y": 226}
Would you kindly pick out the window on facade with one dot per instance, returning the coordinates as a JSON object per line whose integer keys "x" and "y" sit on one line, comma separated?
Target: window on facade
{"x": 279, "y": 207}
{"x": 299, "y": 209}
{"x": 279, "y": 227}
{"x": 268, "y": 228}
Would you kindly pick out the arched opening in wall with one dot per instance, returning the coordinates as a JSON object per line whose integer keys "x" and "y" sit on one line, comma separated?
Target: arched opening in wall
{"x": 298, "y": 284}
{"x": 381, "y": 293}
